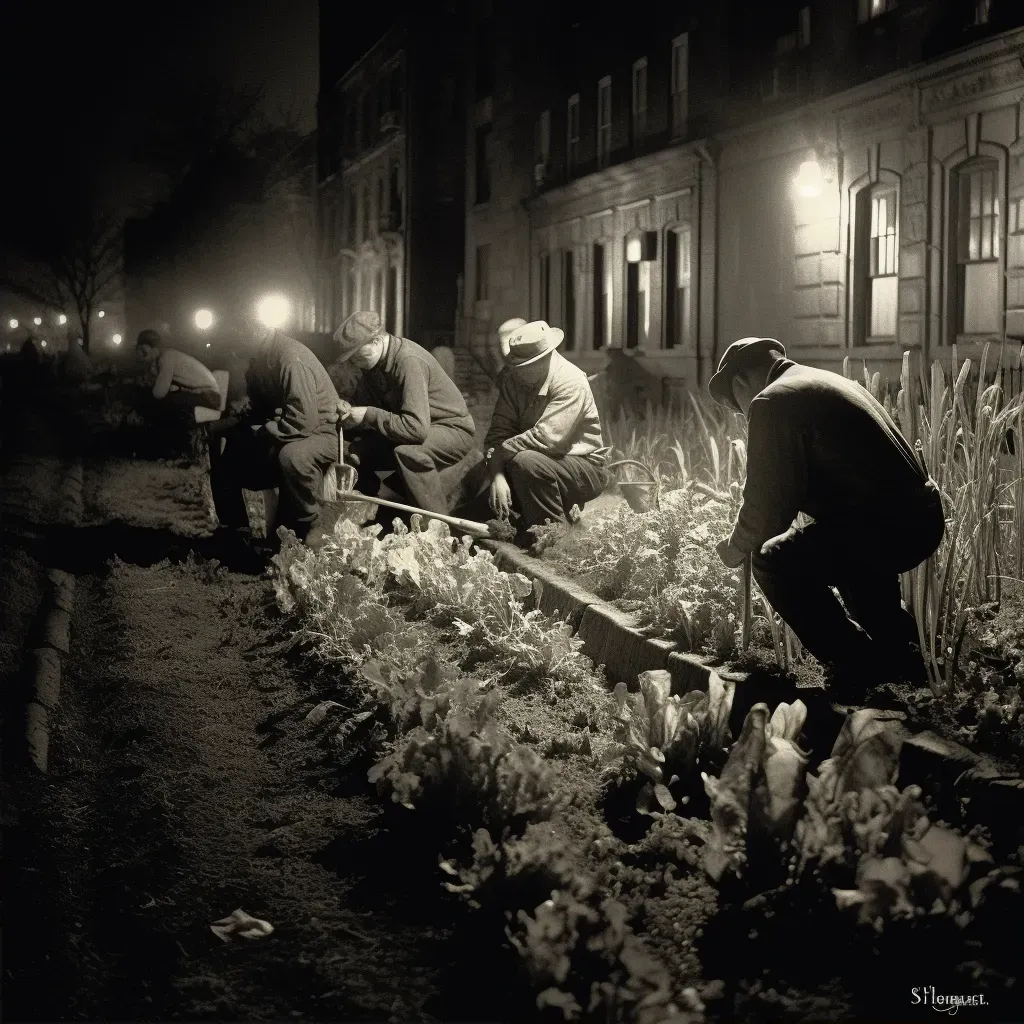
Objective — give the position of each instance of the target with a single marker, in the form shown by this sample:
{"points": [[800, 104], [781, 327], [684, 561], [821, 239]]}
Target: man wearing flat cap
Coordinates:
{"points": [[287, 439], [544, 449], [818, 443], [413, 420]]}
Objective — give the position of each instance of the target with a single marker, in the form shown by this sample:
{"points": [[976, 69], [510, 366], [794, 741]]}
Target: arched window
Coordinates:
{"points": [[876, 261], [975, 265]]}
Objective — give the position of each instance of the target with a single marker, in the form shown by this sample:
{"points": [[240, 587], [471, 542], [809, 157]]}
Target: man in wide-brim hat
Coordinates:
{"points": [[544, 449], [819, 444], [410, 419]]}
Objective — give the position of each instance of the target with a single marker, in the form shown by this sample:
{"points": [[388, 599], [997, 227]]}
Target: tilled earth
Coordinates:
{"points": [[183, 785]]}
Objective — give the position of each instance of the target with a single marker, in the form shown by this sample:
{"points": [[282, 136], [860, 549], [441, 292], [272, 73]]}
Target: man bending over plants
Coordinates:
{"points": [[414, 421], [544, 449], [820, 444], [181, 379], [287, 438]]}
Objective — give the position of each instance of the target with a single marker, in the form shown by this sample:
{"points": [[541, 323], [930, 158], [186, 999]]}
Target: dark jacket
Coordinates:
{"points": [[407, 392], [286, 375], [818, 443]]}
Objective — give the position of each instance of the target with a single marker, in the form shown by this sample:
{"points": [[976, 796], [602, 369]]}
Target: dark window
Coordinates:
{"points": [[545, 287], [395, 86], [677, 287], [568, 324], [483, 163], [483, 81], [483, 272], [600, 298]]}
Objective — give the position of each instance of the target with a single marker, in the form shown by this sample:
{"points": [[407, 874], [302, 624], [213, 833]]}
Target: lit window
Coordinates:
{"points": [[977, 271], [601, 298], [868, 9], [680, 83], [677, 291], [572, 148], [640, 99], [883, 263], [604, 120], [483, 272], [638, 279]]}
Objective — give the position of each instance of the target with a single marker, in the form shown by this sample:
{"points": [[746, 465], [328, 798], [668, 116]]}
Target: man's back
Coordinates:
{"points": [[275, 372], [853, 452], [186, 371]]}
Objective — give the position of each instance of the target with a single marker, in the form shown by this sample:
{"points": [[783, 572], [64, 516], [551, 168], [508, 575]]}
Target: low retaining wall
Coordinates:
{"points": [[987, 791]]}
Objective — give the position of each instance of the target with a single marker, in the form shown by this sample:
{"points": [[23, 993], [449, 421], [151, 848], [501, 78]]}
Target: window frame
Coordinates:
{"points": [[604, 128], [987, 158], [670, 288], [638, 100], [482, 272], [679, 91], [572, 134]]}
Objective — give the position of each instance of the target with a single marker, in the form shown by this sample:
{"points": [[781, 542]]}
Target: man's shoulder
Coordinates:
{"points": [[567, 372]]}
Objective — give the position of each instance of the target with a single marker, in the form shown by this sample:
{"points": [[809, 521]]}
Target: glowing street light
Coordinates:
{"points": [[37, 320], [101, 314], [43, 343], [62, 319], [13, 324], [809, 182], [203, 319], [116, 339], [273, 311]]}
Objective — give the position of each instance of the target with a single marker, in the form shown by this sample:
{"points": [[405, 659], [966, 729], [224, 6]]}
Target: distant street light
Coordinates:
{"points": [[13, 324], [116, 339], [62, 319], [37, 320], [273, 311], [203, 319], [809, 182], [43, 343], [101, 314], [207, 344]]}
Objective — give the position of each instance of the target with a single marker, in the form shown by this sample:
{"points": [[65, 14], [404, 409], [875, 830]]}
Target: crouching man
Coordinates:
{"points": [[544, 449], [820, 444], [412, 420], [181, 379], [287, 439]]}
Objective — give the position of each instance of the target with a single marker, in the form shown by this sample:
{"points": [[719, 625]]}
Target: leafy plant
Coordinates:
{"points": [[664, 737]]}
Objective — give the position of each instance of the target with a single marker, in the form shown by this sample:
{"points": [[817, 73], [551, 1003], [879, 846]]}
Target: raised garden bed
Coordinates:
{"points": [[509, 756]]}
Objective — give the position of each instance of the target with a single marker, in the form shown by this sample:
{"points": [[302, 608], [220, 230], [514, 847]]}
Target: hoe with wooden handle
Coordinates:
{"points": [[465, 525]]}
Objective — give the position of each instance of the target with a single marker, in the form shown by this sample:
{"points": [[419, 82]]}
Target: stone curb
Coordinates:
{"points": [[53, 631], [611, 638]]}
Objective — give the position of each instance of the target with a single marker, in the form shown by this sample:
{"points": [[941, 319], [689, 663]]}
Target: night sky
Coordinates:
{"points": [[99, 95]]}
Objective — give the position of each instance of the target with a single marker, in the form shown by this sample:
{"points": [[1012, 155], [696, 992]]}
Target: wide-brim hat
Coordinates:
{"points": [[736, 358], [506, 330], [531, 342], [362, 326]]}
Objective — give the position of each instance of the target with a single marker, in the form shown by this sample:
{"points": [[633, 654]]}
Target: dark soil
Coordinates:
{"points": [[184, 784]]}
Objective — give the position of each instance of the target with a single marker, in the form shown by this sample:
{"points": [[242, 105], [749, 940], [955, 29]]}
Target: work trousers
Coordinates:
{"points": [[204, 398], [255, 463], [412, 469], [862, 557]]}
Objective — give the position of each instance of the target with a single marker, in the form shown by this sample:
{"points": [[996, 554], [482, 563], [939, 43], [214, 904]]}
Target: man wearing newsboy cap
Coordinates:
{"points": [[818, 443], [413, 419], [544, 449]]}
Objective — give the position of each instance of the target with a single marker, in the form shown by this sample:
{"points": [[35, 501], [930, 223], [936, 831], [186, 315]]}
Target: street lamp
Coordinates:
{"points": [[203, 319], [101, 314], [116, 339], [273, 310], [62, 319], [13, 324], [809, 182], [37, 320]]}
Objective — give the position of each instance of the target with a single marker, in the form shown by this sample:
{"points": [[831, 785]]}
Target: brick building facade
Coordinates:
{"points": [[390, 179]]}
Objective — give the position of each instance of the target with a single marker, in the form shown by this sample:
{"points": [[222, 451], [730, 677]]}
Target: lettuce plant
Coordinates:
{"points": [[663, 736]]}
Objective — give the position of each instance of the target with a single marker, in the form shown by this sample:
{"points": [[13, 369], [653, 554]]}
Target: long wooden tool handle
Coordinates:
{"points": [[468, 525], [341, 443]]}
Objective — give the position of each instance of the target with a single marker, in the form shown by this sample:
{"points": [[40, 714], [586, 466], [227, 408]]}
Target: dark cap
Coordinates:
{"points": [[739, 356]]}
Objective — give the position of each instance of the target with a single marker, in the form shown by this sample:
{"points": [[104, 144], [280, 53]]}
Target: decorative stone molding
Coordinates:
{"points": [[887, 112], [972, 86]]}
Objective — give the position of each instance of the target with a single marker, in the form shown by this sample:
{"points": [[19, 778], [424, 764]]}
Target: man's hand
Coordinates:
{"points": [[732, 558], [355, 417], [501, 496]]}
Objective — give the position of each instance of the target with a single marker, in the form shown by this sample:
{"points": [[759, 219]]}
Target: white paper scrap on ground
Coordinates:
{"points": [[241, 925]]}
